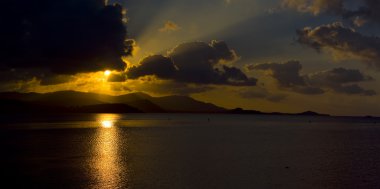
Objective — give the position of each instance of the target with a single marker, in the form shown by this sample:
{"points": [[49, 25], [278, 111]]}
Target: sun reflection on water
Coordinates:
{"points": [[108, 120], [107, 124], [106, 163]]}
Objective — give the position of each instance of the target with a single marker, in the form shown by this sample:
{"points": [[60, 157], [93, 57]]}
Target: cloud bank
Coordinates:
{"points": [[358, 11], [194, 62], [338, 80], [342, 42]]}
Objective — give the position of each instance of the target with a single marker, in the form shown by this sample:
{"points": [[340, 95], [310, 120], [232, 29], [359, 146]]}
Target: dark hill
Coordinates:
{"points": [[106, 108], [139, 101]]}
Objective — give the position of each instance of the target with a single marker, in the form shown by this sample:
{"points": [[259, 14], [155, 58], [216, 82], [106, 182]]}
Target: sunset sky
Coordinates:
{"points": [[267, 55]]}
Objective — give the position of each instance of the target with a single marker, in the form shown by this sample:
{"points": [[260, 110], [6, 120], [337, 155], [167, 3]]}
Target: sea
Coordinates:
{"points": [[188, 151]]}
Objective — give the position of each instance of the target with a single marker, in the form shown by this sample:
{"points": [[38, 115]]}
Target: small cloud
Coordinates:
{"points": [[169, 26], [359, 21]]}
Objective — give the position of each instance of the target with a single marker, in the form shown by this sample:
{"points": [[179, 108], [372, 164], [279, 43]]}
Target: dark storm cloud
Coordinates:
{"points": [[354, 89], [342, 42], [200, 55], [287, 74], [339, 75], [235, 76], [339, 80], [194, 62], [157, 65], [359, 11], [65, 37]]}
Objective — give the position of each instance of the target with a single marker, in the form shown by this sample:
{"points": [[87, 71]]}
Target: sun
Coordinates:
{"points": [[107, 73]]}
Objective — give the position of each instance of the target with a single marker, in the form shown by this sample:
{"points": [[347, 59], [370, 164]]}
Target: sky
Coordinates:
{"points": [[268, 55]]}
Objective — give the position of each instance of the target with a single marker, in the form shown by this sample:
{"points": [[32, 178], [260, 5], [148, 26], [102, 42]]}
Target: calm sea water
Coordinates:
{"points": [[188, 151]]}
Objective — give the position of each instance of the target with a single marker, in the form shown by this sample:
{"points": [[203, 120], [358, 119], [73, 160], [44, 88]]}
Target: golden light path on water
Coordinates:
{"points": [[107, 171]]}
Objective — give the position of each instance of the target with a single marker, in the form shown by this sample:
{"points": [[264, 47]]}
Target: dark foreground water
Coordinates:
{"points": [[188, 151]]}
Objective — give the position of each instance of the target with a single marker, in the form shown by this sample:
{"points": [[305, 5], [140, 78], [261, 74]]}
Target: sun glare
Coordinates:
{"points": [[108, 120], [107, 73], [107, 124]]}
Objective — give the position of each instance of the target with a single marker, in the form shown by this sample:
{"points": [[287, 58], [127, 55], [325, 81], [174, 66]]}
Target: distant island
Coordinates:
{"points": [[242, 111], [80, 102]]}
